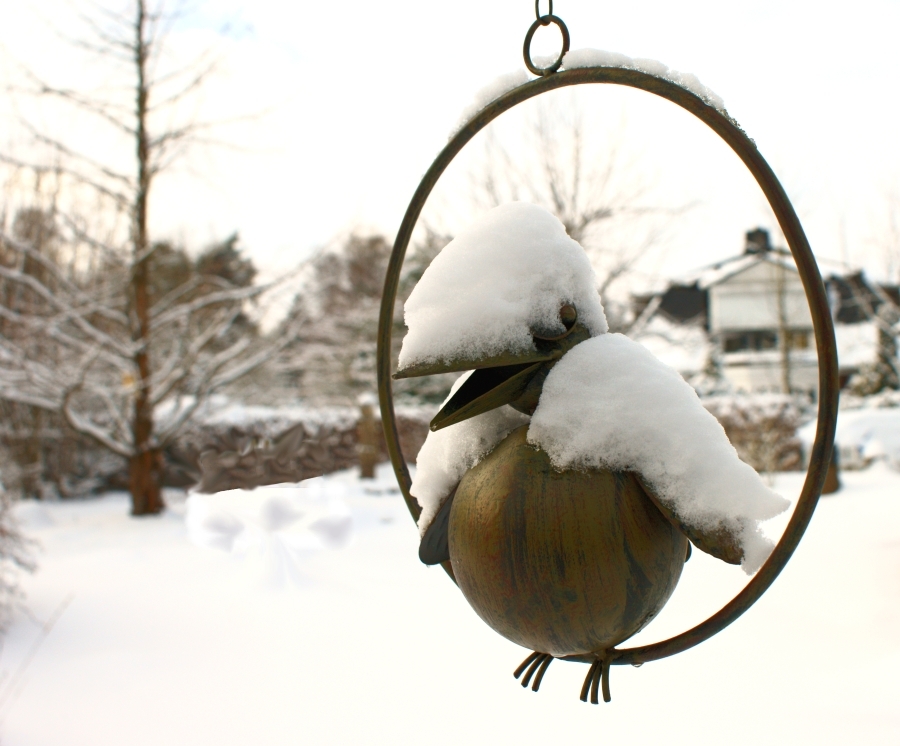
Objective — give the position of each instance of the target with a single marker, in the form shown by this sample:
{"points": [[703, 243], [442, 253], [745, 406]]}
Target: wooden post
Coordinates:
{"points": [[367, 431]]}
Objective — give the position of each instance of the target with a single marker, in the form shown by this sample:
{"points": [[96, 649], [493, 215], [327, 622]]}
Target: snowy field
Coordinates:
{"points": [[304, 616]]}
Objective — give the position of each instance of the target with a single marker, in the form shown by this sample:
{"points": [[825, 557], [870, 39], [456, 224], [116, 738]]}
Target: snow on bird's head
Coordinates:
{"points": [[501, 278]]}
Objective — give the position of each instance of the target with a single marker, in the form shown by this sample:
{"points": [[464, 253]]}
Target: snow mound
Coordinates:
{"points": [[862, 436], [610, 404], [31, 515], [502, 277], [599, 58], [449, 453], [287, 522]]}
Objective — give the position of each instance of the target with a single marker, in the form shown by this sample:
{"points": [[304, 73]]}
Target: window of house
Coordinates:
{"points": [[762, 339], [798, 340]]}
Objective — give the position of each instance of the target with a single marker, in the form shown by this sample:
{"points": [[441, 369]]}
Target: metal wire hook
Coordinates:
{"points": [[545, 20]]}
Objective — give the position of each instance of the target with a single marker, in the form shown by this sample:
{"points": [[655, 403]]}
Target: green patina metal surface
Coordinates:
{"points": [[566, 563]]}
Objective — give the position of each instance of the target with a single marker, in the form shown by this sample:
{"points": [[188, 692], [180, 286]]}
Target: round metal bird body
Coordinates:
{"points": [[562, 562]]}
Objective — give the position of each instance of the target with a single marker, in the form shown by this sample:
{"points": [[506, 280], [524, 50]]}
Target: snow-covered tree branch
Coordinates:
{"points": [[66, 345], [120, 336], [598, 192]]}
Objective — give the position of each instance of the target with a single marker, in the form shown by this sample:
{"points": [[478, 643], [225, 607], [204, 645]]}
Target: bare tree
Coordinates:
{"points": [[881, 308], [880, 303], [118, 352], [887, 240], [888, 312], [553, 165], [74, 354], [784, 333], [16, 555], [24, 425], [333, 323]]}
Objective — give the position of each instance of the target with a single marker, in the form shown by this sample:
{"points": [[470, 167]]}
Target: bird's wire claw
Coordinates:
{"points": [[548, 659], [595, 683], [587, 680], [535, 663], [598, 673], [607, 697], [525, 663], [526, 679]]}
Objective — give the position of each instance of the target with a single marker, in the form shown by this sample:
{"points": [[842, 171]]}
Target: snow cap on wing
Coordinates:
{"points": [[610, 404]]}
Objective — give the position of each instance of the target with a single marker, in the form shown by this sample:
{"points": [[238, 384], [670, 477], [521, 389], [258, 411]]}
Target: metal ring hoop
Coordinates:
{"points": [[526, 49], [727, 129]]}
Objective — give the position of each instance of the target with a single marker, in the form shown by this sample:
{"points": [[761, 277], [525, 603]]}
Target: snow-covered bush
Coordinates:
{"points": [[15, 556], [871, 379], [868, 430], [42, 458], [326, 442], [73, 466], [884, 399], [762, 427]]}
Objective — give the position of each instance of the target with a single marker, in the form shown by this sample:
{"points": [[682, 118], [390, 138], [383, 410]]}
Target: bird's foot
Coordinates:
{"points": [[597, 674], [535, 663], [597, 679]]}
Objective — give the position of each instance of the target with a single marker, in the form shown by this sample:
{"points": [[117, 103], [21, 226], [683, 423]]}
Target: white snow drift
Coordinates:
{"points": [[284, 522]]}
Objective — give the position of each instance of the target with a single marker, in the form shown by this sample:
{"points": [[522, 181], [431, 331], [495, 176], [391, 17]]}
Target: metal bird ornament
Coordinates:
{"points": [[568, 474]]}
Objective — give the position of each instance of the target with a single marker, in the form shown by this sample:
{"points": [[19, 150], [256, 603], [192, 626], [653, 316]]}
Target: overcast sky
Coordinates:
{"points": [[356, 99]]}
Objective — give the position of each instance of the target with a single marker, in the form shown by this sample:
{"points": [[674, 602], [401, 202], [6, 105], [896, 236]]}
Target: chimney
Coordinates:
{"points": [[757, 241]]}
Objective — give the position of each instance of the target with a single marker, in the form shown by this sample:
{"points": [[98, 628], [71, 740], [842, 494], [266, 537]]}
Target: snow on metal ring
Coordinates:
{"points": [[729, 131]]}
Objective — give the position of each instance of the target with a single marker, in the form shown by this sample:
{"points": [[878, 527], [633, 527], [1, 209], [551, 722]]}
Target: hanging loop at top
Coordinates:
{"points": [[545, 21]]}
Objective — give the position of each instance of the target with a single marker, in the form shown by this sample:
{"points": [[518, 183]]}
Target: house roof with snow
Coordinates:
{"points": [[743, 306], [853, 298]]}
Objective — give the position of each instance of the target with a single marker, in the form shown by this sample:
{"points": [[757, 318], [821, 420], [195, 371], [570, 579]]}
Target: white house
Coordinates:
{"points": [[756, 319]]}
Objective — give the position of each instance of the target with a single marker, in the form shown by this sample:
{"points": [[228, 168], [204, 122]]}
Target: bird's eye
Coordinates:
{"points": [[567, 316]]}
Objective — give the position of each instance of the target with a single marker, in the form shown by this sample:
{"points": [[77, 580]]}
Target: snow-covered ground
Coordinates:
{"points": [[274, 638], [863, 435]]}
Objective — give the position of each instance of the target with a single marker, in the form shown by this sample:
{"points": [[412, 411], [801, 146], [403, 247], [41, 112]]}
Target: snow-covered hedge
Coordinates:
{"points": [[868, 430], [329, 441], [762, 427], [42, 457], [60, 463], [16, 555]]}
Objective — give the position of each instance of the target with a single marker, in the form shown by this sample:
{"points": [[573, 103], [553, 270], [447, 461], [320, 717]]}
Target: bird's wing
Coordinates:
{"points": [[721, 542], [435, 546], [610, 404]]}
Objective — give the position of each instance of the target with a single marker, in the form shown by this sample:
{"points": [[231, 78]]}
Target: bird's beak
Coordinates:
{"points": [[508, 378]]}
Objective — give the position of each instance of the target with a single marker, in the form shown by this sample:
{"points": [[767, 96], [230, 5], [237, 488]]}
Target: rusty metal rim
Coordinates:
{"points": [[727, 129]]}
